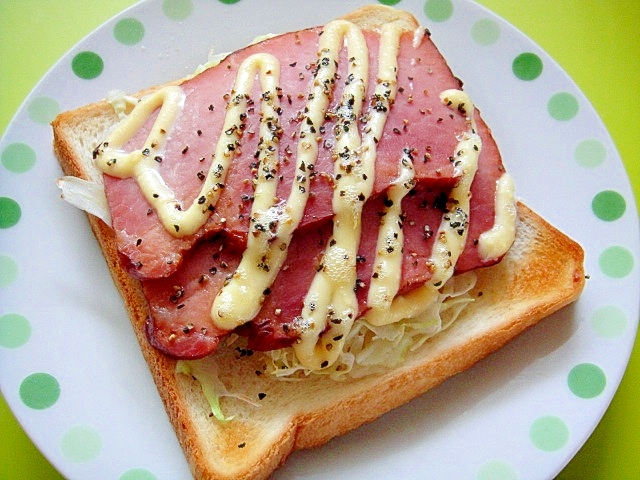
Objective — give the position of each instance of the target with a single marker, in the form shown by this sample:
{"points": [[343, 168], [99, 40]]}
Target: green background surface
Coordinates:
{"points": [[596, 42]]}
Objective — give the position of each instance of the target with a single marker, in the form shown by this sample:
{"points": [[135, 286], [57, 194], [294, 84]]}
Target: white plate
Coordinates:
{"points": [[69, 365]]}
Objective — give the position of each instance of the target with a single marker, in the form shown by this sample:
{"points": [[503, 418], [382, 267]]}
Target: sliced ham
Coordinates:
{"points": [[182, 276], [422, 212], [180, 323], [417, 120]]}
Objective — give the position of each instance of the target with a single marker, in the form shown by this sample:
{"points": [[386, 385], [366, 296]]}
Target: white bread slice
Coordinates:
{"points": [[542, 273]]}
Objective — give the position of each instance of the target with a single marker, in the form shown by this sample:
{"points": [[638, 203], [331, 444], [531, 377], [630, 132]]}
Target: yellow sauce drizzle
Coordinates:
{"points": [[330, 305], [142, 165], [387, 266], [495, 242], [452, 232], [271, 225]]}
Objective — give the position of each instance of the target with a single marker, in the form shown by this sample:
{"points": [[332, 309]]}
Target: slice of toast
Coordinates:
{"points": [[542, 273]]}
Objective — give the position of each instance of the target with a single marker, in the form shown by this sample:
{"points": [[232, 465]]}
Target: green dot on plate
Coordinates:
{"points": [[15, 330], [549, 433], [527, 66], [42, 110], [563, 106], [177, 9], [609, 321], [137, 474], [586, 380], [18, 157], [389, 2], [590, 153], [10, 212], [616, 262], [39, 391], [128, 31], [485, 32], [608, 205], [231, 2], [87, 65], [497, 470], [438, 10], [8, 271], [81, 444]]}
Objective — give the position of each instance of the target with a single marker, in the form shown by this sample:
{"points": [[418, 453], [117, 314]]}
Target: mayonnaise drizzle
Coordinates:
{"points": [[141, 164], [452, 232], [110, 157], [271, 225], [495, 242], [330, 305], [387, 266]]}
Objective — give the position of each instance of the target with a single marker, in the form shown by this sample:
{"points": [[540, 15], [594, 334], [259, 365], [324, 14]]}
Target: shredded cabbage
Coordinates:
{"points": [[212, 387], [215, 58], [121, 103], [86, 195], [368, 349], [371, 349], [89, 195]]}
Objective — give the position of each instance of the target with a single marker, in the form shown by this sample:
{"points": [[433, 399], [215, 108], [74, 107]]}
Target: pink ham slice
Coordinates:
{"points": [[179, 321], [181, 277], [417, 120], [422, 210], [180, 324]]}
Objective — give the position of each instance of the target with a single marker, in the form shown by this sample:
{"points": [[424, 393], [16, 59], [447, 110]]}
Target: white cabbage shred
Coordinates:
{"points": [[121, 103], [368, 350], [373, 349], [212, 387], [85, 195]]}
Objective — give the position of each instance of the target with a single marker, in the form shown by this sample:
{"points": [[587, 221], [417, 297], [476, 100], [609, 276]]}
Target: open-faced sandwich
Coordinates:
{"points": [[308, 233]]}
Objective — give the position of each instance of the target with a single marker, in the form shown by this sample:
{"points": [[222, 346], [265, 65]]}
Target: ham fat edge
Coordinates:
{"points": [[182, 275]]}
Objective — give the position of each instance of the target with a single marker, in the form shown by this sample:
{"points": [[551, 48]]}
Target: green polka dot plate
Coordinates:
{"points": [[70, 367]]}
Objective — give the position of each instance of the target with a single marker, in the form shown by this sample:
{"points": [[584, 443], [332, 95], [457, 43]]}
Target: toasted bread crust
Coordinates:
{"points": [[542, 273]]}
